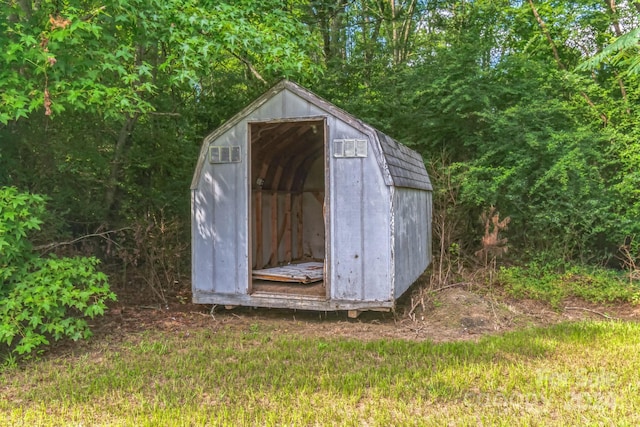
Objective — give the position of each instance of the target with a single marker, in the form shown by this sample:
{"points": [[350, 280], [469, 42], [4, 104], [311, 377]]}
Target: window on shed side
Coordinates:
{"points": [[348, 148]]}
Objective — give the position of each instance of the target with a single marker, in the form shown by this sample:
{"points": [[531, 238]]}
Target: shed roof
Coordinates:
{"points": [[405, 165], [402, 166]]}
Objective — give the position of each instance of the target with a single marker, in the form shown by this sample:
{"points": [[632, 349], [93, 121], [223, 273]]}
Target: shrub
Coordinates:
{"points": [[42, 298]]}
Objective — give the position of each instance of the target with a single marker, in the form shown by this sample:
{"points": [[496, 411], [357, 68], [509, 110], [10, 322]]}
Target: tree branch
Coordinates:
{"points": [[105, 235], [556, 56], [250, 67], [157, 113], [546, 33], [606, 316]]}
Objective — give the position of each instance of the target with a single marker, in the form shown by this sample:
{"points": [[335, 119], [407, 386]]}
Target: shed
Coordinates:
{"points": [[297, 204]]}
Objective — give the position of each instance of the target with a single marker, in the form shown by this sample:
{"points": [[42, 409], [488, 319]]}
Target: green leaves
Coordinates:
{"points": [[41, 298], [623, 51], [178, 67], [18, 216], [89, 56], [553, 147]]}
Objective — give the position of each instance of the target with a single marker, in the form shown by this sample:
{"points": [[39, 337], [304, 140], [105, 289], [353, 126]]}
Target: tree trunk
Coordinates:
{"points": [[116, 164]]}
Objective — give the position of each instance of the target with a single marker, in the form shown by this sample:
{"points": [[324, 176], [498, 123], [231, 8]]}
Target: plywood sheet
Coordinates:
{"points": [[306, 272]]}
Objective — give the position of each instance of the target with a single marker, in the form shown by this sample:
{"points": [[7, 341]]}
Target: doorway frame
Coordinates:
{"points": [[322, 122]]}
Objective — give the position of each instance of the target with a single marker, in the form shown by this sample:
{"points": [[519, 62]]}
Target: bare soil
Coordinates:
{"points": [[455, 313]]}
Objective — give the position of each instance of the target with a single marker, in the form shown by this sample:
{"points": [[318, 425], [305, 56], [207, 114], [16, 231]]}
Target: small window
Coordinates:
{"points": [[220, 154], [349, 148]]}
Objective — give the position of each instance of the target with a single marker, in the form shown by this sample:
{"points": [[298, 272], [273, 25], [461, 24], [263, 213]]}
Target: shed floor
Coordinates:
{"points": [[305, 272], [313, 289]]}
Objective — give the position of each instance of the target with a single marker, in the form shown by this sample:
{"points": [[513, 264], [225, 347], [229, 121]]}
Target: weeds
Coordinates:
{"points": [[629, 256], [446, 223], [493, 246], [595, 285], [155, 247]]}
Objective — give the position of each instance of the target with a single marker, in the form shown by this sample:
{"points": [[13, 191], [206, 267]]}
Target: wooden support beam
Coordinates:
{"points": [[282, 229], [300, 231], [274, 228], [319, 195], [287, 227], [258, 245]]}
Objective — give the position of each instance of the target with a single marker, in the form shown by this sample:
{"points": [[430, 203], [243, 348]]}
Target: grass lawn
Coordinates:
{"points": [[570, 374]]}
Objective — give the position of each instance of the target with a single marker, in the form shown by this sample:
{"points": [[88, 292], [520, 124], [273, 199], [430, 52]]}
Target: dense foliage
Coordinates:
{"points": [[505, 97], [529, 106], [41, 298]]}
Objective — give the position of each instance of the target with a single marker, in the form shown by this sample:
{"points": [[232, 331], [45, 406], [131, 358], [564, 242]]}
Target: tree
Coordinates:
{"points": [[113, 69]]}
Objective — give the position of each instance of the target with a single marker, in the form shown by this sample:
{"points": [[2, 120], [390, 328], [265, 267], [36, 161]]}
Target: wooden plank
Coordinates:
{"points": [[274, 228], [258, 205], [315, 289], [273, 259], [281, 233], [319, 195], [287, 228], [299, 243], [289, 300], [307, 272]]}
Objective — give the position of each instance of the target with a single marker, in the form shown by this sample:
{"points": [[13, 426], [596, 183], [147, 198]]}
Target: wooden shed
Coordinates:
{"points": [[297, 204]]}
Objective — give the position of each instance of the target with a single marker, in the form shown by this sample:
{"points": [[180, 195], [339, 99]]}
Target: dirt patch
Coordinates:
{"points": [[453, 314]]}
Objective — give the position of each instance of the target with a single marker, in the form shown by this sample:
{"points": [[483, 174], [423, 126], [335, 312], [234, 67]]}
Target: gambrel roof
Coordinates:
{"points": [[401, 166], [405, 165]]}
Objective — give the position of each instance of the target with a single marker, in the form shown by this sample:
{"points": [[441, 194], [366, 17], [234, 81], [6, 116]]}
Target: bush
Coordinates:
{"points": [[42, 298]]}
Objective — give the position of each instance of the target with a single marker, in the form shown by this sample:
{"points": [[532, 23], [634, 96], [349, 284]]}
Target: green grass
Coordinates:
{"points": [[553, 285], [569, 374]]}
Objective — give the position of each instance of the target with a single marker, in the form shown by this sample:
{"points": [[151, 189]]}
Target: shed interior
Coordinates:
{"points": [[288, 176]]}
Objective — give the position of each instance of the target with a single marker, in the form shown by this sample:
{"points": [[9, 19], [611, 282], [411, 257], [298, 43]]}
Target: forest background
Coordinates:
{"points": [[527, 106]]}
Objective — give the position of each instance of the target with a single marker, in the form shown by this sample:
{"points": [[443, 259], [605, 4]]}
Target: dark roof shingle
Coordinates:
{"points": [[405, 165]]}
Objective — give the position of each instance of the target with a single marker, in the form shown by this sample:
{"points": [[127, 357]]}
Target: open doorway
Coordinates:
{"points": [[287, 223]]}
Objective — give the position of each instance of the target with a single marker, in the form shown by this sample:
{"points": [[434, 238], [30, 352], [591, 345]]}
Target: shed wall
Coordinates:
{"points": [[360, 231], [220, 203], [379, 237], [220, 206], [412, 236]]}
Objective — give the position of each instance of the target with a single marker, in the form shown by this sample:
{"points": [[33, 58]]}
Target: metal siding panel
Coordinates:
{"points": [[411, 237], [285, 105], [360, 234], [272, 109], [376, 234], [201, 240], [429, 207], [241, 212], [225, 243], [295, 106], [347, 240]]}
